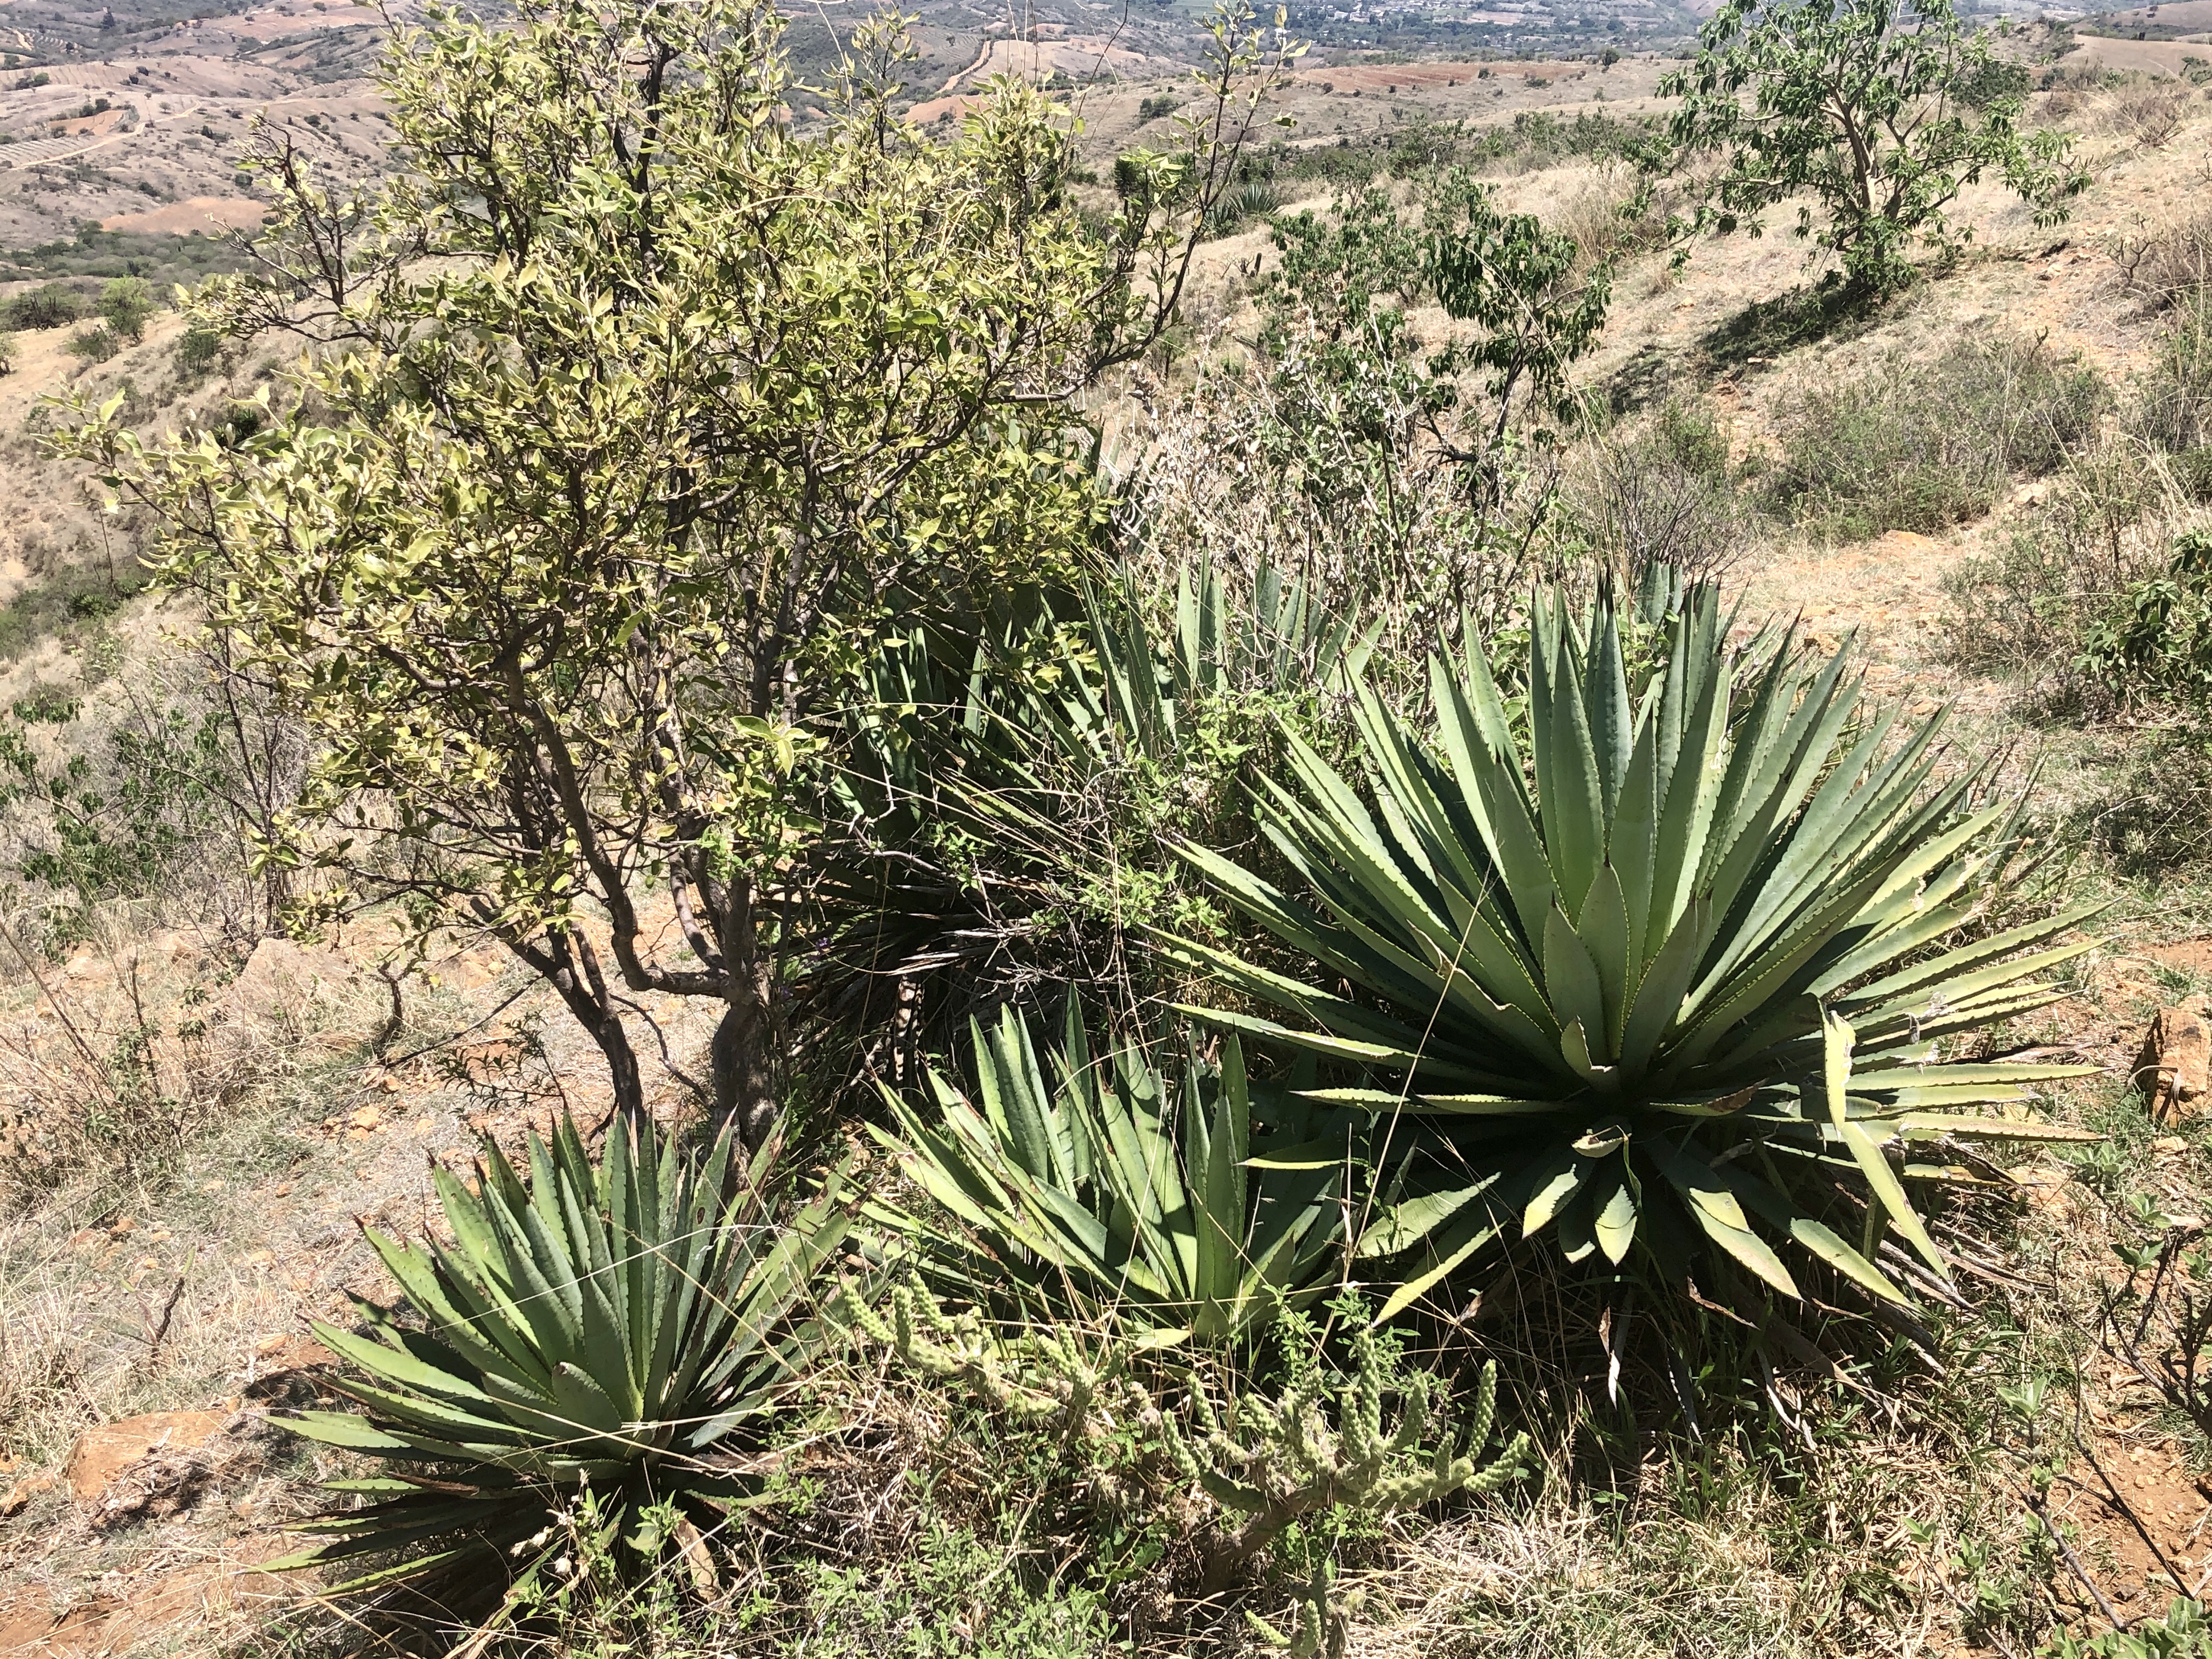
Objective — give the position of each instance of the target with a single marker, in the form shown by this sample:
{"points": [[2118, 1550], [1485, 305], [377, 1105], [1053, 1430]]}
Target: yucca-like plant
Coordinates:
{"points": [[1111, 1188], [1648, 964], [621, 1326]]}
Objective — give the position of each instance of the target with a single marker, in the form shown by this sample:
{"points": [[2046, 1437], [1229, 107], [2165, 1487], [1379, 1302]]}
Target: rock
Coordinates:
{"points": [[103, 1456], [12, 1500], [296, 990], [288, 1370], [2171, 1069]]}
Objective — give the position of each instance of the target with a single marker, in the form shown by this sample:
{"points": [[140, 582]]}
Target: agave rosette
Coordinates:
{"points": [[1606, 949], [1112, 1190], [615, 1326]]}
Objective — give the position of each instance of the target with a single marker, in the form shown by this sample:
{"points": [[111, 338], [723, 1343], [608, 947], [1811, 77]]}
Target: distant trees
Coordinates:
{"points": [[1879, 113], [126, 305], [635, 422]]}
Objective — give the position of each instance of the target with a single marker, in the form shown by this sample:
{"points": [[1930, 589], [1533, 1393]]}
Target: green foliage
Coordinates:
{"points": [[629, 433], [106, 822], [1659, 492], [1665, 994], [1416, 457], [49, 306], [95, 345], [1986, 80], [2184, 1632], [899, 1610], [1906, 445], [2175, 411], [1879, 116], [197, 351], [163, 258], [1273, 1462], [127, 305], [1152, 109], [621, 1328], [2154, 641], [1249, 1460], [1017, 792], [1113, 1189], [1524, 287]]}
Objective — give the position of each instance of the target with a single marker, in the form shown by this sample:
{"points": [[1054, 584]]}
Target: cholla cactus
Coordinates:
{"points": [[1035, 1376], [1324, 1626], [1278, 1460]]}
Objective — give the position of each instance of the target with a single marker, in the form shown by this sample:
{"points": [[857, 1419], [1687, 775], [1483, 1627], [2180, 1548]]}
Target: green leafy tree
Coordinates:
{"points": [[1878, 113], [1363, 408], [636, 420], [1537, 306], [127, 305]]}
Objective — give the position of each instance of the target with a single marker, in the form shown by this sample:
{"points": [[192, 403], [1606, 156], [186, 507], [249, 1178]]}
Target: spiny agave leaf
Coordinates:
{"points": [[1713, 1205], [1560, 1174], [1194, 1229], [1914, 1125], [1489, 1105], [1613, 1209], [1812, 1234], [1837, 1036]]}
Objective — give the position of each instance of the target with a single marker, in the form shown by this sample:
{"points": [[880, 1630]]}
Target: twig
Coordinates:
{"points": [[157, 1332], [2066, 1550]]}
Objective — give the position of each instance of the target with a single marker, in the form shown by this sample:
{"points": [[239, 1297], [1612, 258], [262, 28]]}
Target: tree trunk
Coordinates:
{"points": [[622, 1071], [745, 1063]]}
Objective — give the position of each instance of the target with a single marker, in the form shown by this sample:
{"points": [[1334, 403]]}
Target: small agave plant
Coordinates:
{"points": [[619, 1328], [1646, 964], [1111, 1189]]}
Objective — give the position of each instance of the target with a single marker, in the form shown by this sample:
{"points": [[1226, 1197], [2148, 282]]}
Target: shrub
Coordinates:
{"points": [[127, 304], [1802, 101], [49, 306], [2155, 818], [2154, 640], [1905, 446], [2149, 110], [1161, 104], [2109, 521], [2184, 1632], [621, 1326], [1017, 792], [94, 345], [933, 378], [2170, 266], [2174, 410], [1655, 1005], [1246, 1460], [197, 351], [1660, 492]]}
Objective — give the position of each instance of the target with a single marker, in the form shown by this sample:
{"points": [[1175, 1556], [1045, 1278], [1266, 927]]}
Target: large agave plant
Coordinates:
{"points": [[1110, 1188], [1612, 951], [620, 1325]]}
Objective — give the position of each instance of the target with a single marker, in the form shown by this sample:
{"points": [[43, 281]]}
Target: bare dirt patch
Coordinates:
{"points": [[2145, 57], [194, 213]]}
